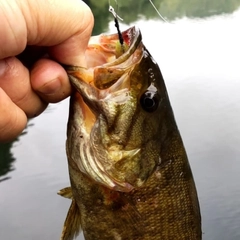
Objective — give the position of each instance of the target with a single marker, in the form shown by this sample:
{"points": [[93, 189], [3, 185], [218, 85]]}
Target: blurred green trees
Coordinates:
{"points": [[131, 10]]}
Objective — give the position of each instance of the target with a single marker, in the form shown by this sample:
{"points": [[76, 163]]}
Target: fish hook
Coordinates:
{"points": [[116, 17]]}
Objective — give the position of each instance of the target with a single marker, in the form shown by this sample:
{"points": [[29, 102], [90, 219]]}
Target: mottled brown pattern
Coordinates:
{"points": [[163, 204], [165, 208]]}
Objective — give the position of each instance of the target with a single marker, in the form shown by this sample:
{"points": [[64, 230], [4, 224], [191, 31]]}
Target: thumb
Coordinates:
{"points": [[64, 26]]}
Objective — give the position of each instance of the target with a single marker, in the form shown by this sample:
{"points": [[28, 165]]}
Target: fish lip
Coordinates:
{"points": [[123, 63], [135, 37]]}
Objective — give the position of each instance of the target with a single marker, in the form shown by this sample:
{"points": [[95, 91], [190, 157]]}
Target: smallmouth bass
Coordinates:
{"points": [[129, 172]]}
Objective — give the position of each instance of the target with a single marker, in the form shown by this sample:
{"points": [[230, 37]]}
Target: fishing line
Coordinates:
{"points": [[116, 17], [158, 12], [111, 10]]}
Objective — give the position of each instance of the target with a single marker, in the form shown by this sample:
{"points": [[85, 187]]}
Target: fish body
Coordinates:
{"points": [[129, 172]]}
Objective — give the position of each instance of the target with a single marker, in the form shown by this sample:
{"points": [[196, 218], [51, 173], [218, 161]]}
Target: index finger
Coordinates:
{"points": [[65, 26]]}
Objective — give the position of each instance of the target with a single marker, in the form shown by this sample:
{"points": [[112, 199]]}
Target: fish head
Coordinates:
{"points": [[117, 111]]}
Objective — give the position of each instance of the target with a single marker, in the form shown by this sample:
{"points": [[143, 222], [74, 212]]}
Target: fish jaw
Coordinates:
{"points": [[104, 108]]}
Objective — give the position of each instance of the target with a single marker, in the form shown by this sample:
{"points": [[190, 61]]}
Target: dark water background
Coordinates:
{"points": [[198, 52]]}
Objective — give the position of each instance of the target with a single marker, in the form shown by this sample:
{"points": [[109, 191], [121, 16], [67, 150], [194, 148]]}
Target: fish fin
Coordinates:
{"points": [[72, 224], [66, 192]]}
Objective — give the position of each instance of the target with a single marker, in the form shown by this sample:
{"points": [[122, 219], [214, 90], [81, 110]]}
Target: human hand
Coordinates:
{"points": [[29, 81]]}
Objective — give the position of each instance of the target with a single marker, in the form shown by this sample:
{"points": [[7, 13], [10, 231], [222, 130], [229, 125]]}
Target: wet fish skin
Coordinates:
{"points": [[154, 198]]}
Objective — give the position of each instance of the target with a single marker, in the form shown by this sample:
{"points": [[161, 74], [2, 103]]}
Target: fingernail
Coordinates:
{"points": [[2, 67], [51, 87]]}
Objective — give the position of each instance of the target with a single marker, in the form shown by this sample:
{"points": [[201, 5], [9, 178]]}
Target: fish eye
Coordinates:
{"points": [[149, 101]]}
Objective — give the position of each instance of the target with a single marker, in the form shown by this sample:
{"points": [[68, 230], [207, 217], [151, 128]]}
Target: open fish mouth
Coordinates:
{"points": [[107, 49], [106, 97], [107, 59]]}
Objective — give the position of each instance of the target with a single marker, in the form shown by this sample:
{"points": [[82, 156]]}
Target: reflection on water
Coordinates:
{"points": [[6, 160], [199, 61], [6, 157]]}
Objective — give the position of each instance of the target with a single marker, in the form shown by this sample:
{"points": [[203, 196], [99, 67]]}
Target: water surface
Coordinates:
{"points": [[199, 59]]}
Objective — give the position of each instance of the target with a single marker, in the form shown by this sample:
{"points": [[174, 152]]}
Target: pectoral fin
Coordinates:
{"points": [[66, 192], [72, 224]]}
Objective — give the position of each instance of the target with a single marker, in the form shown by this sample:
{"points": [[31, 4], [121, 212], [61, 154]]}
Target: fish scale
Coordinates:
{"points": [[147, 191]]}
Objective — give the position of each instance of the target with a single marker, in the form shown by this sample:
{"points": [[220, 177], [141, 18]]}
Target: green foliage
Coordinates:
{"points": [[173, 9], [132, 10], [101, 15]]}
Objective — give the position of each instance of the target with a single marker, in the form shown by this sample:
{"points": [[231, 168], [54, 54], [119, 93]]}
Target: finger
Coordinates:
{"points": [[50, 81], [12, 119], [72, 50], [65, 24], [14, 29], [15, 81]]}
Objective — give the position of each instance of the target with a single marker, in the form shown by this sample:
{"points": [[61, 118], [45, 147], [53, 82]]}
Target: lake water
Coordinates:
{"points": [[199, 59]]}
